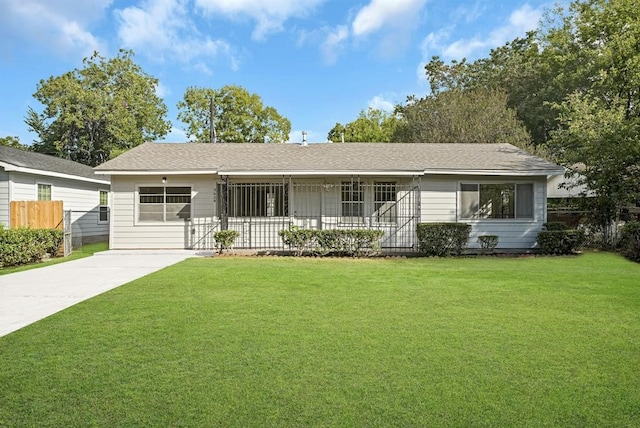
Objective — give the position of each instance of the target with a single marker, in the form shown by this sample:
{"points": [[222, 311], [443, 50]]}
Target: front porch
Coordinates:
{"points": [[259, 211]]}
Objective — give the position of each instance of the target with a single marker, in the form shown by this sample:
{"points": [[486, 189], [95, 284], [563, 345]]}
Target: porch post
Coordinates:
{"points": [[224, 204]]}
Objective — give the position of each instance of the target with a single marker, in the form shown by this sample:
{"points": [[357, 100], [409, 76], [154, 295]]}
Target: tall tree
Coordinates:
{"points": [[600, 145], [14, 142], [461, 116], [238, 116], [372, 125], [106, 107]]}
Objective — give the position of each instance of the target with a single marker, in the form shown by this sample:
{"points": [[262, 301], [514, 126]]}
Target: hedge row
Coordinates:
{"points": [[337, 242], [22, 246], [629, 245], [556, 238], [442, 239]]}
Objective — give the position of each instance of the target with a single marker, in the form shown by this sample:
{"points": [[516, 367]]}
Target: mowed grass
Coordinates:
{"points": [[255, 342]]}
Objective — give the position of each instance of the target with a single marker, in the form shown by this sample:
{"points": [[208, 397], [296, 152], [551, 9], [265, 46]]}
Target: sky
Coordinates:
{"points": [[317, 62]]}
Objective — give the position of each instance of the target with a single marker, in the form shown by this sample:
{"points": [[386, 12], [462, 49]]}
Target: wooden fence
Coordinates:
{"points": [[37, 214]]}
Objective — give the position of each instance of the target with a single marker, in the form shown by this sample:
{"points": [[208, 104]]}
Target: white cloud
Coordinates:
{"points": [[520, 21], [60, 26], [269, 15], [162, 28], [333, 43], [379, 103], [397, 14]]}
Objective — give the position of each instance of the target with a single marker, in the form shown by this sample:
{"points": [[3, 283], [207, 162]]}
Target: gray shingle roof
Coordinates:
{"points": [[322, 158], [47, 163]]}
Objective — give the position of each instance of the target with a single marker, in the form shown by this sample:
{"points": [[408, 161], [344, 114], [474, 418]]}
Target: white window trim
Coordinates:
{"points": [[43, 183], [494, 220], [108, 206], [136, 202]]}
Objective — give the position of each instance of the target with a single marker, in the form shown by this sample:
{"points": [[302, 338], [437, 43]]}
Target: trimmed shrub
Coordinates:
{"points": [[556, 239], [488, 243], [629, 245], [338, 242], [225, 239], [23, 246], [442, 239], [301, 240]]}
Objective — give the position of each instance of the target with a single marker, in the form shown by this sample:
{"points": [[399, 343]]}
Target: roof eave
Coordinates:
{"points": [[15, 168], [496, 172], [154, 172]]}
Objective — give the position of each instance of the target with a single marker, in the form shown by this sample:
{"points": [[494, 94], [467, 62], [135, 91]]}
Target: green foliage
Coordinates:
{"points": [[14, 142], [225, 239], [600, 138], [557, 239], [108, 105], [488, 243], [371, 126], [239, 117], [461, 116], [442, 239], [23, 246], [629, 245], [299, 239], [335, 242]]}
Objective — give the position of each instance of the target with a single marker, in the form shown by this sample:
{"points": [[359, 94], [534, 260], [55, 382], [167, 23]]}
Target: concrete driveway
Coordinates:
{"points": [[26, 297]]}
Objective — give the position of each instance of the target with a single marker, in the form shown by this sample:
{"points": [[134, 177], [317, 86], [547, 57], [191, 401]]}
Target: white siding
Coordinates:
{"points": [[128, 233], [439, 202], [4, 198], [82, 198]]}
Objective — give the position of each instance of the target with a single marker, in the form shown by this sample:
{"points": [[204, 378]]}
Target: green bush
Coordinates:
{"points": [[488, 243], [442, 239], [225, 239], [338, 242], [629, 245], [23, 246], [301, 240], [556, 238]]}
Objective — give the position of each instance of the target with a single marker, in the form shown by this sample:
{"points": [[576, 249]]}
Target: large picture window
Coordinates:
{"points": [[352, 199], [496, 201], [384, 202], [258, 200], [164, 204]]}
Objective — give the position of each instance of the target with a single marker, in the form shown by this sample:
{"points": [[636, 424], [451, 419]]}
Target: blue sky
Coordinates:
{"points": [[317, 62]]}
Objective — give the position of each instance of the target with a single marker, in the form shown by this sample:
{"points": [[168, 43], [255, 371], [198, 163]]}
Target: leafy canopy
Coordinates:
{"points": [[93, 113], [461, 116], [373, 125], [238, 116]]}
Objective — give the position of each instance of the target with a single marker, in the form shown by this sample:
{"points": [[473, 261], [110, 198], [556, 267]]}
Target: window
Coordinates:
{"points": [[496, 201], [258, 200], [164, 204], [352, 199], [384, 202], [104, 207], [44, 192]]}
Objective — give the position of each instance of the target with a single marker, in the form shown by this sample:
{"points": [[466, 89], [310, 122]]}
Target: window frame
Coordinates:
{"points": [[49, 185], [379, 189], [262, 197], [355, 191], [103, 208], [516, 209], [164, 220]]}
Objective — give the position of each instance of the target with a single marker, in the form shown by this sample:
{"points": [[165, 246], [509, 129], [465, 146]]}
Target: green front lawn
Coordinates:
{"points": [[336, 342]]}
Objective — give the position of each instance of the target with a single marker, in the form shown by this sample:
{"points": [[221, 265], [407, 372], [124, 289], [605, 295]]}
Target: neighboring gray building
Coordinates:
{"points": [[176, 195], [29, 176]]}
